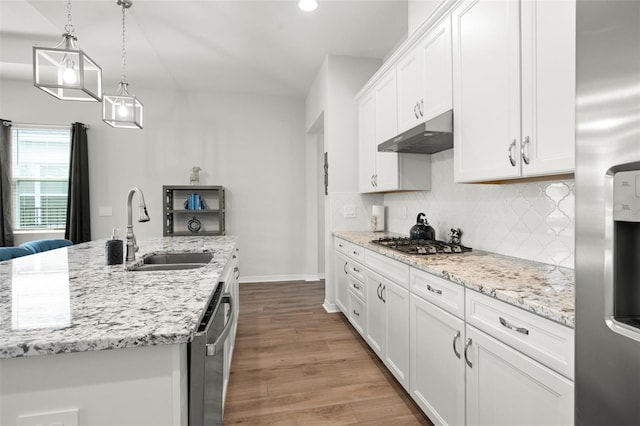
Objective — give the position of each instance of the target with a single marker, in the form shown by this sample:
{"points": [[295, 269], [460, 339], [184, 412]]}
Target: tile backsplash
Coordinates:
{"points": [[529, 220]]}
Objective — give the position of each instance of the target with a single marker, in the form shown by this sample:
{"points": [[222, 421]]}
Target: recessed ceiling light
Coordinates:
{"points": [[308, 5]]}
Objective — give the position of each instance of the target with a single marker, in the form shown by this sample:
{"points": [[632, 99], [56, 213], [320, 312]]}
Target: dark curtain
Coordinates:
{"points": [[78, 227], [6, 210]]}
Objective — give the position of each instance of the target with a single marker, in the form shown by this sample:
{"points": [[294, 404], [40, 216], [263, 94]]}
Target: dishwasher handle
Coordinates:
{"points": [[215, 347]]}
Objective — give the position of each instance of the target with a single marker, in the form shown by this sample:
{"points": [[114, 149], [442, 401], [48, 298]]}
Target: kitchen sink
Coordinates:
{"points": [[173, 261]]}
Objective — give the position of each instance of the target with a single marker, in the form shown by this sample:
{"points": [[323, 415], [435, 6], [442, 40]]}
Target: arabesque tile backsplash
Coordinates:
{"points": [[529, 220]]}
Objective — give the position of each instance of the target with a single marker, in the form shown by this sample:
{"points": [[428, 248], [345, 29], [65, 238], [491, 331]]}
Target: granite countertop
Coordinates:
{"points": [[545, 290], [68, 300]]}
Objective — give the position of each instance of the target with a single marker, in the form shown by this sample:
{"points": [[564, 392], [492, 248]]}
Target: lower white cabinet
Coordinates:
{"points": [[505, 387], [437, 364], [341, 284], [387, 324], [357, 311]]}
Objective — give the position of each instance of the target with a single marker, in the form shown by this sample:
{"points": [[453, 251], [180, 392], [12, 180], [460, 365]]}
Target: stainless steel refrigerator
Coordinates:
{"points": [[607, 177]]}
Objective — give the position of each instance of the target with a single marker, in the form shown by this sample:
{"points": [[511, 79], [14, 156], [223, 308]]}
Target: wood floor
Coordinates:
{"points": [[296, 364]]}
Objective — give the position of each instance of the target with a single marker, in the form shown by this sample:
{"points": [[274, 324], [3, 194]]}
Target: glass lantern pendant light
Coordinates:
{"points": [[65, 71], [123, 110]]}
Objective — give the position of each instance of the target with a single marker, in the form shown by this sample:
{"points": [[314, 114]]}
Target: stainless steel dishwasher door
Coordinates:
{"points": [[206, 361]]}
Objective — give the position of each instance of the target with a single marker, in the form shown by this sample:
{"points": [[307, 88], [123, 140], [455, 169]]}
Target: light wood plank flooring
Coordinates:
{"points": [[296, 364]]}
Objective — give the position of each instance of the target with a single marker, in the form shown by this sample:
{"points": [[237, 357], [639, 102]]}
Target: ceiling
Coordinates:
{"points": [[263, 46]]}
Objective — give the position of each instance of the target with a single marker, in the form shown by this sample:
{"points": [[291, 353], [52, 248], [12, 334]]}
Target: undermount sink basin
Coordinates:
{"points": [[172, 258], [173, 261]]}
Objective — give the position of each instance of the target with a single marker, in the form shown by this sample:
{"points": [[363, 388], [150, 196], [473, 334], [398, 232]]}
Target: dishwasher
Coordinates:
{"points": [[206, 360]]}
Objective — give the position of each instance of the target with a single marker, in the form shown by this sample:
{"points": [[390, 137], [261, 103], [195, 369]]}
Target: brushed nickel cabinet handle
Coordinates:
{"points": [[506, 324], [455, 339], [356, 313], [356, 270], [345, 267], [524, 156], [511, 159], [466, 349], [416, 108], [421, 108], [433, 290]]}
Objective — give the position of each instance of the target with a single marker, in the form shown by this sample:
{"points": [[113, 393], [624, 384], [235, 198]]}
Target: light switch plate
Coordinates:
{"points": [[349, 211], [54, 418]]}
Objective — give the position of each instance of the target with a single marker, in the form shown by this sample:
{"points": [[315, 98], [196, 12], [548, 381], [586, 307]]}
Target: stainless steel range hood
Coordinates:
{"points": [[432, 136]]}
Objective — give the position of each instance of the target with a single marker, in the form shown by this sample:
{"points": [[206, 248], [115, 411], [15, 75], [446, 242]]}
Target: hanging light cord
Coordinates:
{"points": [[124, 60], [69, 27]]}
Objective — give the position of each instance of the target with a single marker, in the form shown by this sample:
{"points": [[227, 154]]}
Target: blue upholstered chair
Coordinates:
{"points": [[8, 253], [39, 246]]}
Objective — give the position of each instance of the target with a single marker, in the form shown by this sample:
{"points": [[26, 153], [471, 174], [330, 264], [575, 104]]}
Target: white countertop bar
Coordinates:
{"points": [[69, 300]]}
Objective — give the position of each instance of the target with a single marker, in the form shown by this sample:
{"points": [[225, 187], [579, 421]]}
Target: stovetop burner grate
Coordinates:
{"points": [[421, 247]]}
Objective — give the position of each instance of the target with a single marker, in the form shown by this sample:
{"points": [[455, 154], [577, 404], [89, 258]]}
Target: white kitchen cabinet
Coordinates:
{"points": [[424, 78], [493, 55], [386, 177], [367, 147], [341, 281], [357, 306], [437, 368], [377, 122], [387, 319], [548, 87], [505, 387], [411, 81]]}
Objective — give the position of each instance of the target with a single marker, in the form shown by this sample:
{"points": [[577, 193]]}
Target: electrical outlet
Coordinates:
{"points": [[105, 211], [54, 418], [349, 211]]}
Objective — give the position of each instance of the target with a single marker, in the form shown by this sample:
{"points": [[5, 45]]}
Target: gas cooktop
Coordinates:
{"points": [[421, 247]]}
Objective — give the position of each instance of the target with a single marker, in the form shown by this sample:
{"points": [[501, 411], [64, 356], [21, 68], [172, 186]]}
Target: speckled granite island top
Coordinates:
{"points": [[545, 290], [68, 300]]}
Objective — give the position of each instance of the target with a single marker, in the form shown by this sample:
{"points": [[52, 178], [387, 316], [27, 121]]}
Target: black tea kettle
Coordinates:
{"points": [[421, 230]]}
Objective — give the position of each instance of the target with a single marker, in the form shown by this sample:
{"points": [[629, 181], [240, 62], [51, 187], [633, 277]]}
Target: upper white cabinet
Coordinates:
{"points": [[378, 122], [493, 57], [366, 141], [386, 126], [424, 78], [548, 86]]}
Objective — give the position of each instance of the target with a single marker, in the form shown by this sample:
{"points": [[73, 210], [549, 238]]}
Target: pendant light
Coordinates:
{"points": [[123, 110], [65, 71]]}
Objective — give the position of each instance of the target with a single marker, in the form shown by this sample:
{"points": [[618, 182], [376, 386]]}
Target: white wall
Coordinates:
{"points": [[253, 145], [331, 104]]}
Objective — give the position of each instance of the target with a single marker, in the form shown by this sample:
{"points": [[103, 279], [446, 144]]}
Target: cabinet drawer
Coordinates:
{"points": [[543, 340], [356, 253], [356, 287], [357, 313], [394, 270], [342, 246], [356, 270], [442, 293]]}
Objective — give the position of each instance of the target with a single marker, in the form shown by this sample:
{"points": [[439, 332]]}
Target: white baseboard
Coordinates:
{"points": [[331, 308], [275, 278]]}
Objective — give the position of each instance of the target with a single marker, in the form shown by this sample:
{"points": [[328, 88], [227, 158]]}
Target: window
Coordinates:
{"points": [[40, 181]]}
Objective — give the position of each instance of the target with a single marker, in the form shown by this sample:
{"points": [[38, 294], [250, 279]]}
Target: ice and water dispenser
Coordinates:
{"points": [[626, 248]]}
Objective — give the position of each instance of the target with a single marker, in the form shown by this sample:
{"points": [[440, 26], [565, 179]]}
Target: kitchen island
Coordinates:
{"points": [[102, 344]]}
